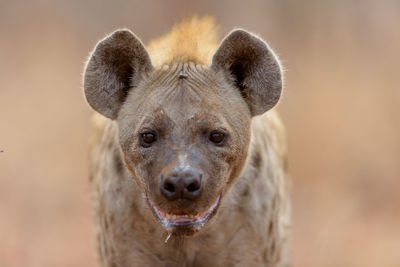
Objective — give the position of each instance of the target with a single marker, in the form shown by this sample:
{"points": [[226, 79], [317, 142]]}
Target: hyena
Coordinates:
{"points": [[189, 168]]}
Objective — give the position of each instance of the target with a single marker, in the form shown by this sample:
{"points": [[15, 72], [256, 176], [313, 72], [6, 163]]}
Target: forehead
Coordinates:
{"points": [[182, 91]]}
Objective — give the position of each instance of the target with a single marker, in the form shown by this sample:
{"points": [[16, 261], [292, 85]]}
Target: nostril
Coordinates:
{"points": [[194, 186], [169, 187]]}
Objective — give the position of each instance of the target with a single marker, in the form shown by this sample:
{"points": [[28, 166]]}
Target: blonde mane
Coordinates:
{"points": [[193, 39]]}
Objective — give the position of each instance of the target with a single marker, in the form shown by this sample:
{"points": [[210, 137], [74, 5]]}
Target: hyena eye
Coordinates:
{"points": [[148, 138], [217, 138]]}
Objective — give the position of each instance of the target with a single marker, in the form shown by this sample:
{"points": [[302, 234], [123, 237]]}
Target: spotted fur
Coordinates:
{"points": [[251, 226]]}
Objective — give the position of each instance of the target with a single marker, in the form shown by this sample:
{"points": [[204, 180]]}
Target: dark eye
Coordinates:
{"points": [[148, 138], [217, 138]]}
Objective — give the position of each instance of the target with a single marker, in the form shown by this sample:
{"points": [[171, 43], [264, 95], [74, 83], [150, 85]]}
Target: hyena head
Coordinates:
{"points": [[184, 126]]}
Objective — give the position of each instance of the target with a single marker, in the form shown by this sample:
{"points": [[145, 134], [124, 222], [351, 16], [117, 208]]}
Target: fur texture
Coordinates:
{"points": [[189, 89], [192, 40]]}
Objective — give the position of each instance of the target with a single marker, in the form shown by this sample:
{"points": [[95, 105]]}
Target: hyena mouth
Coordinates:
{"points": [[173, 221]]}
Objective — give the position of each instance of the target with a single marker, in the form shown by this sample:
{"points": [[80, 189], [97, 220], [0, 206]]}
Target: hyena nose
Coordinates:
{"points": [[185, 185]]}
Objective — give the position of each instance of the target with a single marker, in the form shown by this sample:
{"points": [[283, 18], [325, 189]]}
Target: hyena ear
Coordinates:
{"points": [[254, 68], [114, 67]]}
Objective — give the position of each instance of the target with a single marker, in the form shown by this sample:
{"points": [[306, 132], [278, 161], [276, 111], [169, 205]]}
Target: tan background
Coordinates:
{"points": [[341, 107]]}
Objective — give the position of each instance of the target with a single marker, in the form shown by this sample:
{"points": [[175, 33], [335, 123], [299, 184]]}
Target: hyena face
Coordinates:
{"points": [[184, 128], [185, 141]]}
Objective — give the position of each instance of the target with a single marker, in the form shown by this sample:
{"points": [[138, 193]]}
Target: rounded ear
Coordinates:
{"points": [[254, 68], [114, 67]]}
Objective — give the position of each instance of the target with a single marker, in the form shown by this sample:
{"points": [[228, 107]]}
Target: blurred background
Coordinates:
{"points": [[341, 107]]}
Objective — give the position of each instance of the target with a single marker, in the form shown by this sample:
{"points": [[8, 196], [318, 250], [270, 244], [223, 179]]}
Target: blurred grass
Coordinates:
{"points": [[341, 107]]}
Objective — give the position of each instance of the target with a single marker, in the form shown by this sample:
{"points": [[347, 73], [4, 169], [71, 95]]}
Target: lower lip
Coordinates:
{"points": [[197, 222]]}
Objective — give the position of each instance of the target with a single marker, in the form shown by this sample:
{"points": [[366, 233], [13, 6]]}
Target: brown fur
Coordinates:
{"points": [[182, 98], [191, 40]]}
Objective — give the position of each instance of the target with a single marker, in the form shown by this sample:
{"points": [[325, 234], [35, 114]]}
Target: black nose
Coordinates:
{"points": [[184, 185]]}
